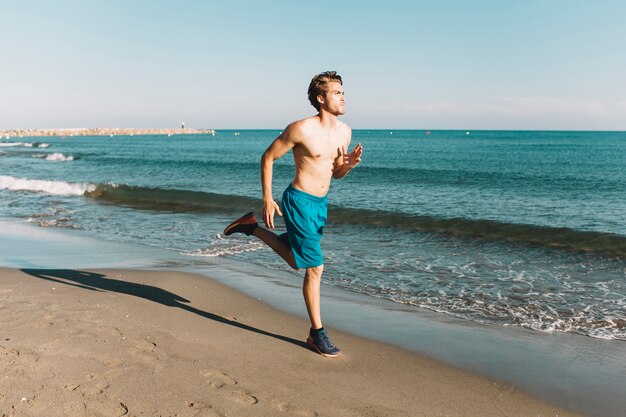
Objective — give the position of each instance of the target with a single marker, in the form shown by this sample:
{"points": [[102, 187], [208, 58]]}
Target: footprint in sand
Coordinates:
{"points": [[93, 398], [108, 408], [144, 345], [100, 402], [10, 357], [244, 398], [217, 379], [74, 408], [292, 411], [94, 386], [8, 352], [199, 409], [145, 350], [71, 387]]}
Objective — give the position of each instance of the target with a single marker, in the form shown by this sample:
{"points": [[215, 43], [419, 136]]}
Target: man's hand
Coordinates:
{"points": [[353, 158], [345, 162], [269, 208]]}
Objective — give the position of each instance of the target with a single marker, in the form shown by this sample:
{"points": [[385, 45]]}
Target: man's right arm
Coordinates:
{"points": [[281, 145]]}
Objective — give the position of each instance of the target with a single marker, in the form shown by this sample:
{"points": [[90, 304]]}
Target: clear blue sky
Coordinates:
{"points": [[534, 64]]}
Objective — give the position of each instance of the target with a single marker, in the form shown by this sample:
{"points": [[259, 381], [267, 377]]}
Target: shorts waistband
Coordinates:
{"points": [[293, 190]]}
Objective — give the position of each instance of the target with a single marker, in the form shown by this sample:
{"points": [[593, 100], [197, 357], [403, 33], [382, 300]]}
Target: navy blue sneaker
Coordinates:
{"points": [[318, 341], [245, 224]]}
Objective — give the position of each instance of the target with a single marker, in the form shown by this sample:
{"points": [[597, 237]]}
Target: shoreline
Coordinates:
{"points": [[107, 131], [129, 342], [576, 372]]}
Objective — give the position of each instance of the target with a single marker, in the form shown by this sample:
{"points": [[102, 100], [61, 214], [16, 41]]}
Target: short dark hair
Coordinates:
{"points": [[319, 86]]}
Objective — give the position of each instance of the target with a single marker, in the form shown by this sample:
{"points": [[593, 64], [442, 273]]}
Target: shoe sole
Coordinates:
{"points": [[311, 344], [237, 222], [227, 231]]}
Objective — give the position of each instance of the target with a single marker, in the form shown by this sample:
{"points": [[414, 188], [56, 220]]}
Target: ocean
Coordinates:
{"points": [[517, 229]]}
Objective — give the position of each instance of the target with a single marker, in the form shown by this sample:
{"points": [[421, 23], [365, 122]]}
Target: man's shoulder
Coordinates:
{"points": [[344, 126], [302, 128], [306, 123]]}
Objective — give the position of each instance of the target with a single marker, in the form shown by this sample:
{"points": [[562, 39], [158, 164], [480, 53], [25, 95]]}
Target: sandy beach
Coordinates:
{"points": [[145, 343], [457, 174]]}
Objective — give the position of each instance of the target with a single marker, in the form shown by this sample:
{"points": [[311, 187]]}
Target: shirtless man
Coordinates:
{"points": [[319, 146]]}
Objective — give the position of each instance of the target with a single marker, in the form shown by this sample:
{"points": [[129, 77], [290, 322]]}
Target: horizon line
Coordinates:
{"points": [[354, 129]]}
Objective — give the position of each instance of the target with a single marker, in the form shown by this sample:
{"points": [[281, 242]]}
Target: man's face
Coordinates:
{"points": [[334, 99]]}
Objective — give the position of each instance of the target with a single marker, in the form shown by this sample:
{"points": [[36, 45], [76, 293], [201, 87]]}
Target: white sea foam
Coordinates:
{"points": [[24, 144], [55, 157], [58, 223], [44, 186], [219, 248]]}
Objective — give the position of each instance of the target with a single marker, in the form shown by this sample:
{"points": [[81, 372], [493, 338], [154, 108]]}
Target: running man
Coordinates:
{"points": [[319, 145]]}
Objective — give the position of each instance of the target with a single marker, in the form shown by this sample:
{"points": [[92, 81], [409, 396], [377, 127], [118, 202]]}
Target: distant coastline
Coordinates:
{"points": [[107, 131]]}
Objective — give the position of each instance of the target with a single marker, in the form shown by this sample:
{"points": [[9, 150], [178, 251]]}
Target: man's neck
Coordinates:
{"points": [[327, 120]]}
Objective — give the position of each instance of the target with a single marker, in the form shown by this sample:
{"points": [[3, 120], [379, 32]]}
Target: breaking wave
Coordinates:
{"points": [[57, 157], [204, 202], [45, 186], [24, 144], [185, 201]]}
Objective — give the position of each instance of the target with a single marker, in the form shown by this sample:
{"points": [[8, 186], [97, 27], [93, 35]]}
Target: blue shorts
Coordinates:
{"points": [[305, 217]]}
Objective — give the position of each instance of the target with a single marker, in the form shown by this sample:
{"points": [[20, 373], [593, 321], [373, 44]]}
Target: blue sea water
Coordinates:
{"points": [[508, 228]]}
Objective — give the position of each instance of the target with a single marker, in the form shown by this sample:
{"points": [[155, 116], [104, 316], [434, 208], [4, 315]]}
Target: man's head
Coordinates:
{"points": [[323, 84]]}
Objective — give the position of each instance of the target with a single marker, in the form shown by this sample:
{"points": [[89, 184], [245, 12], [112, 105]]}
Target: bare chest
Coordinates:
{"points": [[322, 150]]}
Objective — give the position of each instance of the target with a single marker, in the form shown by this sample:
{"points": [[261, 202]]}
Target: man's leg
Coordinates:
{"points": [[318, 338], [311, 292], [281, 248], [248, 225]]}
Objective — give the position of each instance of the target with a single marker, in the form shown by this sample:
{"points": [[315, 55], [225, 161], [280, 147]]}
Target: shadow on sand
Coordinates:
{"points": [[98, 282]]}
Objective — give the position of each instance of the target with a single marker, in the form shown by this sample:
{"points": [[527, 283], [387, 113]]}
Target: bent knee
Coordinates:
{"points": [[291, 261], [315, 271]]}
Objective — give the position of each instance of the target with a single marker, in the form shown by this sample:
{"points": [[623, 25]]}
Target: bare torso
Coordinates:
{"points": [[316, 150]]}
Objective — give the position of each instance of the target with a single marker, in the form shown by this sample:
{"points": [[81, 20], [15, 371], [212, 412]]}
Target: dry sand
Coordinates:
{"points": [[143, 343]]}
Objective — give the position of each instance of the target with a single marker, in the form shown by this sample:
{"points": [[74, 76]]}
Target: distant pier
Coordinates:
{"points": [[102, 132]]}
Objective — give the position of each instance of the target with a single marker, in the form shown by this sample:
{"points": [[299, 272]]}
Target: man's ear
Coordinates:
{"points": [[320, 99]]}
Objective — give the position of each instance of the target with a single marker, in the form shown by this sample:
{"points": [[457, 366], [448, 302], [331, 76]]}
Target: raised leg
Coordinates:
{"points": [[271, 239]]}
